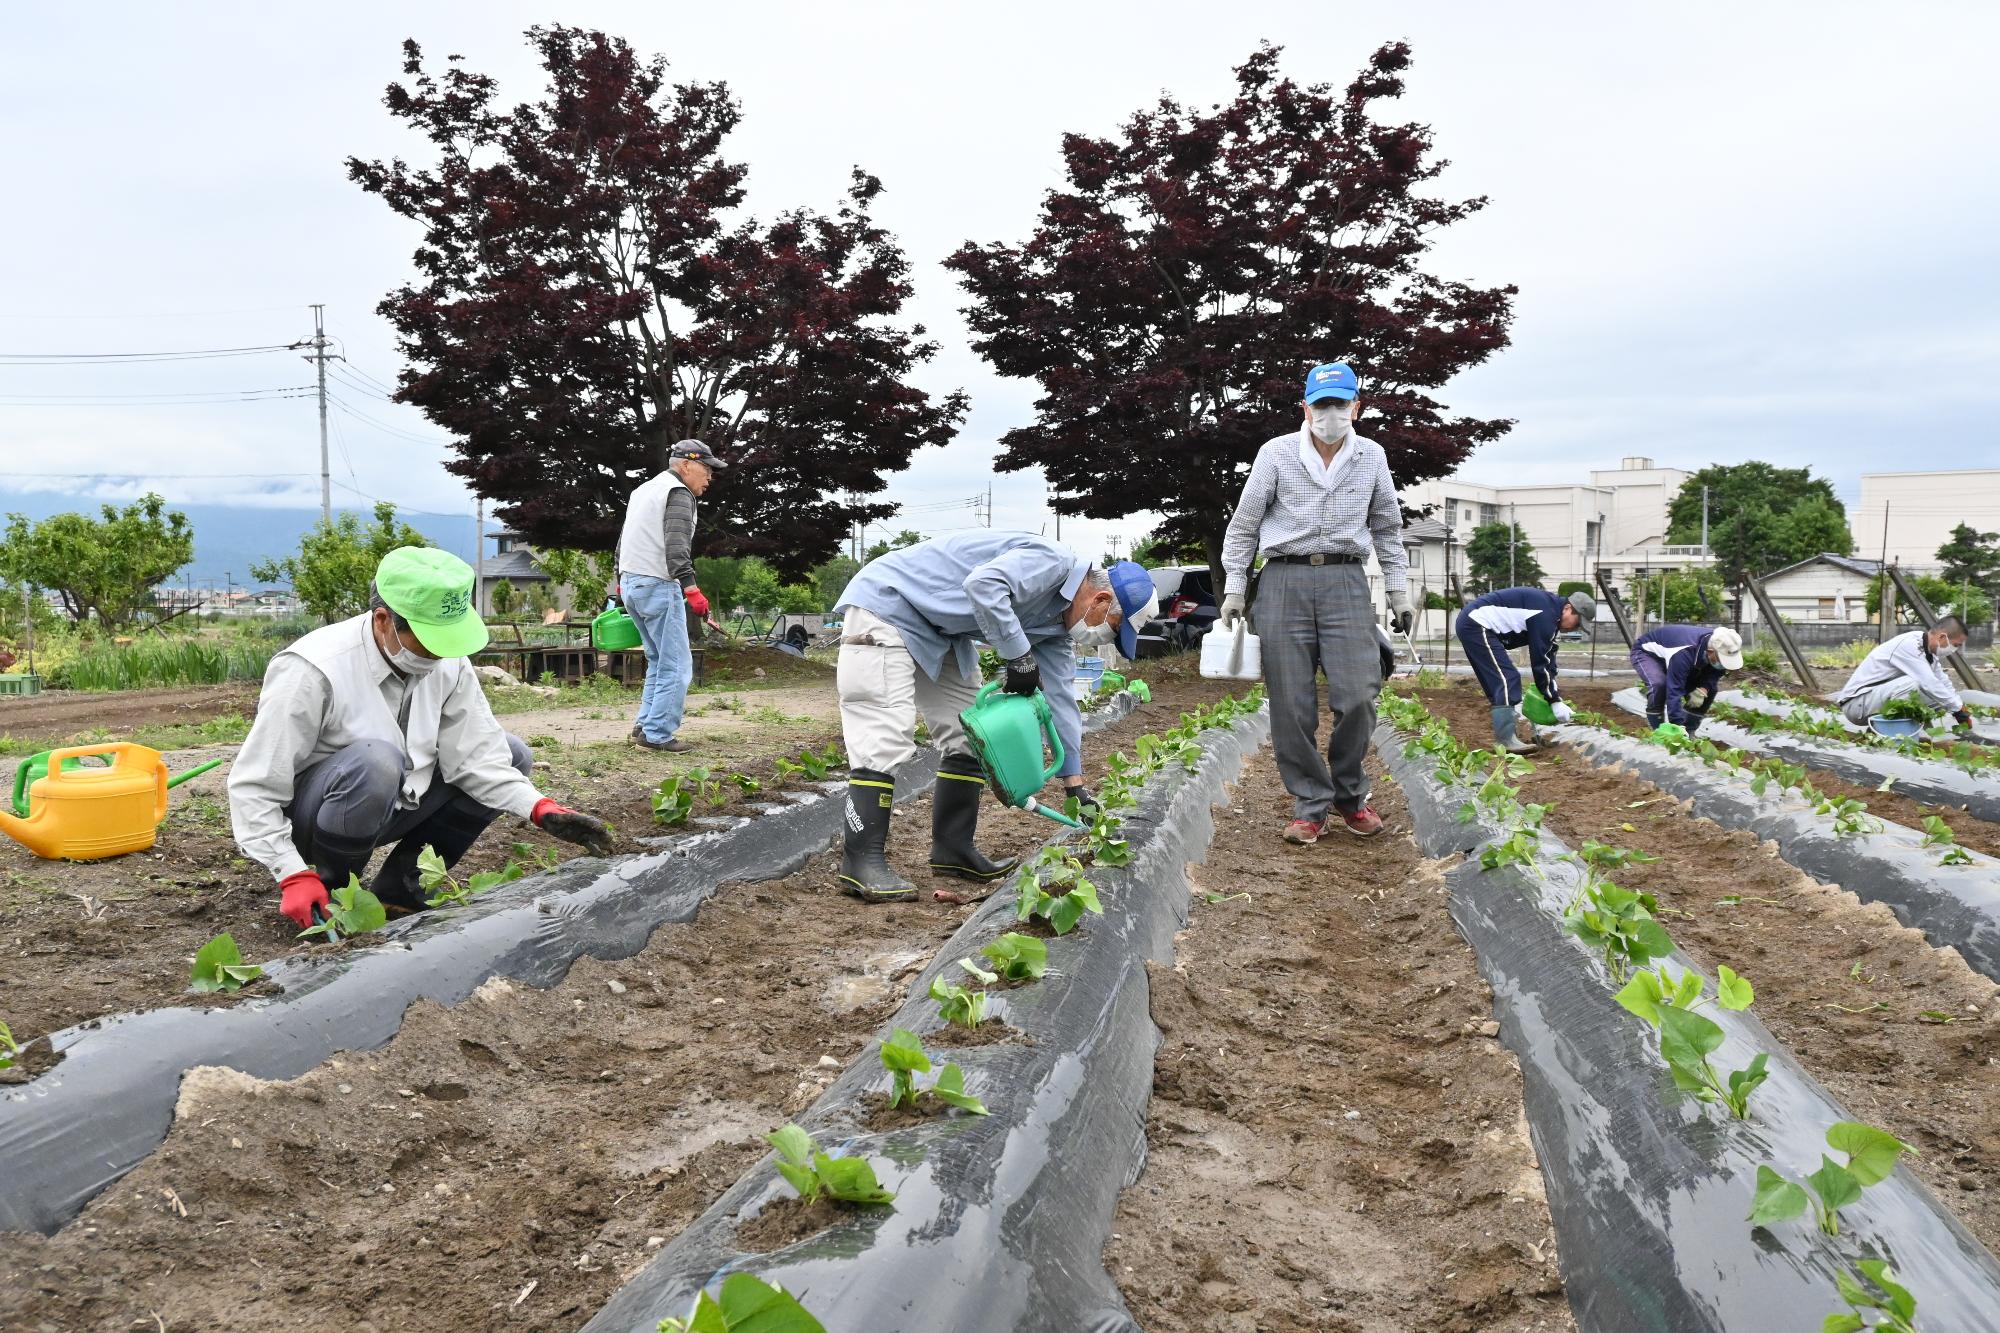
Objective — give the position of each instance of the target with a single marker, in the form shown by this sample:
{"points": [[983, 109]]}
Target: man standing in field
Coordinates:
{"points": [[1508, 618], [656, 583], [1315, 503], [912, 620], [1910, 663], [1681, 668], [374, 731]]}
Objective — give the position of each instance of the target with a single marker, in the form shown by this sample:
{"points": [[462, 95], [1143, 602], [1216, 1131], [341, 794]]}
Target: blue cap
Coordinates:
{"points": [[1138, 600], [1333, 380]]}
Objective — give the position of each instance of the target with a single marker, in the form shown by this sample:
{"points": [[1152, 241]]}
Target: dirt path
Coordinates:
{"points": [[1906, 1036], [1334, 1142], [526, 1136], [57, 714]]}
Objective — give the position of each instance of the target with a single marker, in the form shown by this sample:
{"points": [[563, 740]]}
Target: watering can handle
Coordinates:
{"points": [[1056, 753], [1236, 652]]}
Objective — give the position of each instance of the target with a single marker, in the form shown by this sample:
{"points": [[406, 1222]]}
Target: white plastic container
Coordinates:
{"points": [[1234, 656]]}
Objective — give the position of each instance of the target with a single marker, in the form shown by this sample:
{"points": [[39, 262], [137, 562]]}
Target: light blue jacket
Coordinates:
{"points": [[1011, 589]]}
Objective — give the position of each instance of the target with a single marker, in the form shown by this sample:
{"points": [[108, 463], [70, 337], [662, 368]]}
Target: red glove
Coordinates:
{"points": [[697, 600], [559, 821], [303, 891]]}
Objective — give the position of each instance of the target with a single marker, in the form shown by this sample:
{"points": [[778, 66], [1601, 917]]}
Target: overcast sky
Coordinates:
{"points": [[1739, 231]]}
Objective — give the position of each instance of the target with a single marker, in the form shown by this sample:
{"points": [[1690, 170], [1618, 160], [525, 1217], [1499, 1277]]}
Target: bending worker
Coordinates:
{"points": [[372, 731], [1317, 500], [1910, 663], [908, 646], [1509, 618], [1682, 667], [656, 583]]}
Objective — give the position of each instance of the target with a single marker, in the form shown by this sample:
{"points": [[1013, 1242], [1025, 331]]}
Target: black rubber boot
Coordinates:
{"points": [[864, 870], [450, 831], [961, 785]]}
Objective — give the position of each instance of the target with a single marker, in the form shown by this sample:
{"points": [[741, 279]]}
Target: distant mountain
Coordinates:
{"points": [[228, 539]]}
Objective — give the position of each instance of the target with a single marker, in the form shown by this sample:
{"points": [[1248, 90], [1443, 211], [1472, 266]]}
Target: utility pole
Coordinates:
{"points": [[1704, 522], [1887, 600], [478, 554], [1114, 541], [989, 504], [1512, 528], [319, 362]]}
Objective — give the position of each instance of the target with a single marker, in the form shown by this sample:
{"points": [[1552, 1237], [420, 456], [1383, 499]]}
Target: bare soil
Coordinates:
{"points": [[1334, 1141], [55, 716], [511, 1161], [1906, 1036], [1978, 834]]}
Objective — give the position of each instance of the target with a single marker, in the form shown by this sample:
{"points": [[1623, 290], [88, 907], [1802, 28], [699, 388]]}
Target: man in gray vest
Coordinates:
{"points": [[373, 731], [1317, 500], [656, 583]]}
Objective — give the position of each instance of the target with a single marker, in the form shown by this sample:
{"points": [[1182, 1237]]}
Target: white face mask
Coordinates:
{"points": [[1086, 635], [1946, 649], [407, 661], [1331, 421]]}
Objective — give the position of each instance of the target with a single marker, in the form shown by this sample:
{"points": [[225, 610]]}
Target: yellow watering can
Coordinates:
{"points": [[88, 814]]}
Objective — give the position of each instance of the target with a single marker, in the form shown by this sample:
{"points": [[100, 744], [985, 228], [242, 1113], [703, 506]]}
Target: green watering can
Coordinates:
{"points": [[1537, 708], [613, 630], [36, 767], [1008, 732]]}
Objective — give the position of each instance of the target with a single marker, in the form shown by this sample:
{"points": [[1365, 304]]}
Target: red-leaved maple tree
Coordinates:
{"points": [[1173, 295], [586, 292]]}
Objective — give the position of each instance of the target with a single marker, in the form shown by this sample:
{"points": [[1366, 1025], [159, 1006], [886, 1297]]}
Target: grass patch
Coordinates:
{"points": [[152, 663]]}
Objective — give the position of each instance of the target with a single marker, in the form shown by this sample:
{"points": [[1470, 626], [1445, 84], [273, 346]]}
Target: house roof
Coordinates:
{"points": [[515, 564], [1867, 569], [1425, 530]]}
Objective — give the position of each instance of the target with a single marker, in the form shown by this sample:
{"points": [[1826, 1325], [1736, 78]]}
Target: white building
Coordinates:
{"points": [[1824, 589], [1618, 520], [1921, 509]]}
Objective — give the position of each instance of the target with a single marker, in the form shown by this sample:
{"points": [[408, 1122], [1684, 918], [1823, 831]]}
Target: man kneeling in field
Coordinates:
{"points": [[374, 731]]}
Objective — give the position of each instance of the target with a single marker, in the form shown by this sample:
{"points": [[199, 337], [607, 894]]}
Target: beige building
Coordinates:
{"points": [[1825, 589], [1914, 513]]}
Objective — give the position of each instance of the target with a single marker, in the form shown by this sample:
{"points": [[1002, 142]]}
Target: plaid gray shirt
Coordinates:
{"points": [[1284, 511]]}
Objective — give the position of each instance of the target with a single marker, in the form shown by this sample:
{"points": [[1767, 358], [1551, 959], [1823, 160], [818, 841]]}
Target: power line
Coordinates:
{"points": [[158, 476], [383, 427], [165, 314], [212, 398], [130, 358]]}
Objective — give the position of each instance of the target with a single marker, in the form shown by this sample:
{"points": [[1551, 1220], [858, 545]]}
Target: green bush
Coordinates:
{"points": [[1760, 659], [152, 663], [1568, 586]]}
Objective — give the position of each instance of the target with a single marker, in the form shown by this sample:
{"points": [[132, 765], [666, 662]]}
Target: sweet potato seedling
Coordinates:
{"points": [[353, 911], [747, 1304], [903, 1056], [440, 889], [673, 801], [1619, 924], [1871, 1155], [1687, 1039], [1061, 910], [813, 1173], [1895, 1310], [957, 1005], [9, 1048], [220, 966], [1516, 849], [1018, 957]]}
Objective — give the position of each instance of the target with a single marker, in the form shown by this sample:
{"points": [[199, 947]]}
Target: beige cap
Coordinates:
{"points": [[1728, 646]]}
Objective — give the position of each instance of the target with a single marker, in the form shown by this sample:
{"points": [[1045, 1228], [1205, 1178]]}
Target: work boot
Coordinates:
{"points": [[1504, 734], [864, 870], [955, 819]]}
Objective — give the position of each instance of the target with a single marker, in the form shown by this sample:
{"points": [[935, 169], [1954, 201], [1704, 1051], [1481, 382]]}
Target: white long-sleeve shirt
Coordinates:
{"points": [[1288, 508], [296, 727], [1902, 656]]}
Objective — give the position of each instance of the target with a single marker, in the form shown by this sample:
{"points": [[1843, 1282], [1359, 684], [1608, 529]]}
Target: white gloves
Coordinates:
{"points": [[1562, 711], [1401, 615], [1232, 611]]}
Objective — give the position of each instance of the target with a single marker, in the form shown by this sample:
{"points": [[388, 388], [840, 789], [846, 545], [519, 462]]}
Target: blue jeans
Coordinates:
{"points": [[659, 610]]}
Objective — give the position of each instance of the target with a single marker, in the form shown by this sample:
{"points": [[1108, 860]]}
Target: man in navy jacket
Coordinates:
{"points": [[1678, 662], [1528, 618]]}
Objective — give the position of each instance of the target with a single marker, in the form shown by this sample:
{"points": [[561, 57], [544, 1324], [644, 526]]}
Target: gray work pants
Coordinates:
{"points": [[882, 690], [344, 807], [1313, 618], [1872, 701]]}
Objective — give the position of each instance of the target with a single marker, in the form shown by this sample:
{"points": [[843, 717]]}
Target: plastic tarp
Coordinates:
{"points": [[1955, 905], [999, 1220], [1982, 729], [1925, 780], [1649, 1189]]}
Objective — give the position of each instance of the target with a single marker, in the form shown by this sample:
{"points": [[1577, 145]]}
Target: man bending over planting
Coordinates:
{"points": [[1510, 618], [909, 645], [1911, 663], [1682, 667], [374, 731]]}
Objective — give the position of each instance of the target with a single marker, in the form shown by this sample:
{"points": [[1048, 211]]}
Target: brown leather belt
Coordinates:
{"points": [[1319, 559]]}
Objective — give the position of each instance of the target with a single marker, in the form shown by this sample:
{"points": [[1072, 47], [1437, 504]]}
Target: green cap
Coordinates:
{"points": [[432, 589]]}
